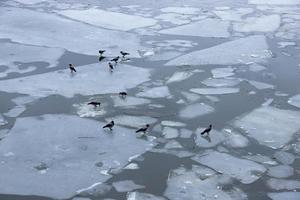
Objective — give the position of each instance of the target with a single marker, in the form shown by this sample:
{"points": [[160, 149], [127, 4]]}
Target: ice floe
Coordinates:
{"points": [[132, 166], [173, 144], [221, 82], [181, 10], [283, 184], [133, 121], [214, 138], [295, 100], [244, 170], [170, 133], [97, 189], [222, 72], [2, 120], [284, 195], [129, 101], [261, 85], [264, 23], [156, 92], [270, 126], [88, 80], [284, 157], [179, 76], [172, 124], [108, 19], [209, 28], [281, 171], [256, 67], [69, 147], [249, 49], [233, 15], [142, 196], [126, 186], [195, 110], [85, 110], [44, 29], [174, 18], [274, 2], [236, 140], [215, 91]]}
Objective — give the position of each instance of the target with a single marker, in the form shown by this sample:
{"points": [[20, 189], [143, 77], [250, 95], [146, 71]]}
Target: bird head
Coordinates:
{"points": [[147, 125], [112, 122], [70, 65], [210, 125]]}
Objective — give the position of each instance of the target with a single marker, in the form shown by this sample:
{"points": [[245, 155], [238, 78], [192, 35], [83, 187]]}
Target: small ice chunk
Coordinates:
{"points": [[85, 110], [215, 91], [179, 76], [214, 138], [285, 195], [132, 166], [281, 171], [156, 92], [126, 186], [108, 19], [2, 120], [181, 10], [238, 51], [284, 157], [270, 126], [221, 82], [195, 110], [264, 23], [142, 196], [173, 144], [261, 85], [256, 67], [295, 100], [129, 101], [95, 190], [261, 159], [133, 121], [211, 27], [191, 97], [282, 184], [236, 140], [170, 133], [172, 124], [238, 168], [222, 72], [274, 2], [185, 133]]}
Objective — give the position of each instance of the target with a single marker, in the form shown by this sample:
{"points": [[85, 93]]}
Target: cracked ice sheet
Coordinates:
{"points": [[62, 142], [108, 19], [187, 184], [233, 15], [264, 23], [133, 121], [129, 101], [45, 28], [13, 52], [239, 51], [270, 126], [88, 80], [208, 27], [241, 169]]}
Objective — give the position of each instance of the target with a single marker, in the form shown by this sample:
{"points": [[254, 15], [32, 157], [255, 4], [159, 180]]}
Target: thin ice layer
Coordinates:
{"points": [[51, 30], [88, 80], [249, 49], [62, 150], [270, 126]]}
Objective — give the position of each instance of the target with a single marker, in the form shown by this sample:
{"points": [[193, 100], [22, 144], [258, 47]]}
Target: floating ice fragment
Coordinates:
{"points": [[85, 110], [142, 196], [132, 166], [256, 67], [264, 23], [126, 186], [95, 190], [156, 92], [284, 157], [172, 124], [215, 137], [261, 159], [233, 15], [222, 72], [212, 91], [133, 121], [191, 97], [179, 76], [282, 184], [244, 170], [129, 101], [236, 140], [173, 144], [195, 110], [281, 171], [285, 195], [181, 10], [170, 133], [221, 82], [261, 85], [295, 100], [274, 2], [2, 120]]}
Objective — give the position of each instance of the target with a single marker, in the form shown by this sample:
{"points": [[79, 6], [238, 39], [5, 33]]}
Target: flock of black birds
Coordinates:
{"points": [[96, 104]]}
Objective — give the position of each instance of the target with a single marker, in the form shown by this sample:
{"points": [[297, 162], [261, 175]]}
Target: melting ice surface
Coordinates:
{"points": [[68, 148], [270, 126], [88, 80]]}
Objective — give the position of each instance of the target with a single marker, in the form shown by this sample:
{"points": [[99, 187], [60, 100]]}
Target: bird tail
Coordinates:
{"points": [[203, 132], [105, 126]]}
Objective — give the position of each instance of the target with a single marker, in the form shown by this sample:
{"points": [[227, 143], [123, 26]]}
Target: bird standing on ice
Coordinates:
{"points": [[143, 130], [72, 68], [110, 125], [207, 130]]}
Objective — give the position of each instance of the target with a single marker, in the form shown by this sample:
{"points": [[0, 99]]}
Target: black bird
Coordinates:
{"points": [[101, 58], [111, 67], [124, 53], [94, 103], [101, 52], [110, 125], [72, 68], [207, 130], [122, 94], [144, 129], [115, 59]]}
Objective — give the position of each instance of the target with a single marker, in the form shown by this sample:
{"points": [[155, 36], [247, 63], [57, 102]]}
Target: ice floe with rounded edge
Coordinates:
{"points": [[270, 126], [179, 76], [215, 91], [236, 140], [181, 10], [256, 67], [195, 110], [172, 123], [281, 171], [186, 184], [222, 72], [214, 138], [285, 158], [142, 196], [274, 2], [85, 110], [132, 121], [244, 50], [69, 148], [233, 14], [264, 23], [108, 19], [132, 166], [209, 28], [45, 28], [284, 195], [244, 170], [2, 120], [129, 101], [169, 132], [283, 184], [126, 186], [221, 82], [13, 53], [88, 80], [260, 85], [156, 92], [295, 100]]}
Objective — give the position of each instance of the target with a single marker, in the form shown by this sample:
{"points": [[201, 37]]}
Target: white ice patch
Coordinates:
{"points": [[133, 121], [172, 124], [295, 100], [142, 196], [179, 76], [233, 15], [181, 10], [30, 2], [126, 186], [203, 28], [256, 67], [195, 110], [174, 18], [261, 85], [264, 23], [281, 171], [274, 2], [11, 53], [173, 144], [69, 148], [170, 133], [129, 101], [191, 97], [215, 91], [222, 72], [2, 120], [284, 157], [236, 140], [244, 170], [88, 80], [244, 50], [214, 138], [85, 110], [221, 82], [109, 20], [95, 190], [270, 126], [156, 92], [281, 184], [132, 166], [284, 195], [54, 31]]}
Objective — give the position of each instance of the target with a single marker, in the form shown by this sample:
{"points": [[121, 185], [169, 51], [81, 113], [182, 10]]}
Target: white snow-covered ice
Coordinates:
{"points": [[195, 110]]}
